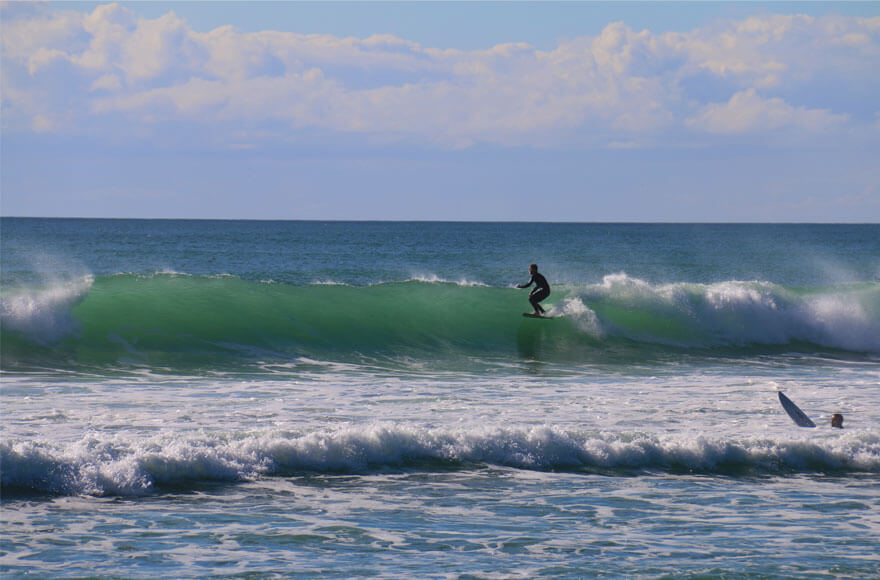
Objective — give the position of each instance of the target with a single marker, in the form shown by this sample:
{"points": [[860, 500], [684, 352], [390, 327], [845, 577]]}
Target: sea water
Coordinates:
{"points": [[333, 399]]}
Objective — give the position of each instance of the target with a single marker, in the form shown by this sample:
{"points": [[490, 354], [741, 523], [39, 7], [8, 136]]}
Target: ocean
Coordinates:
{"points": [[283, 399]]}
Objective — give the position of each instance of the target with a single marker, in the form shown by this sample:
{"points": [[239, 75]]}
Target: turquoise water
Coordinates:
{"points": [[346, 399]]}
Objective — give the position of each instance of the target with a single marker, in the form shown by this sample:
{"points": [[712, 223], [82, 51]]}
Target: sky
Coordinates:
{"points": [[526, 111]]}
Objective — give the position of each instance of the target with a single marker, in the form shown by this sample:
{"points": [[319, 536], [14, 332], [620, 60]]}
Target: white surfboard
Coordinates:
{"points": [[798, 416]]}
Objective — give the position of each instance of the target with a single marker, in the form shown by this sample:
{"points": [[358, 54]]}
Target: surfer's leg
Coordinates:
{"points": [[535, 298]]}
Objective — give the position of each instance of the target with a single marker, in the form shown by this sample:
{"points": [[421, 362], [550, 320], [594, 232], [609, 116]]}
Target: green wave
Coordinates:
{"points": [[174, 320], [177, 319]]}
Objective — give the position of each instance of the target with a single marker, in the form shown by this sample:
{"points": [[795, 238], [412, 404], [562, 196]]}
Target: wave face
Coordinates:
{"points": [[844, 317], [116, 466], [178, 320]]}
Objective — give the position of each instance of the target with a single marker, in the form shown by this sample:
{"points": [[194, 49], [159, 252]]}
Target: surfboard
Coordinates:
{"points": [[794, 412], [530, 315]]}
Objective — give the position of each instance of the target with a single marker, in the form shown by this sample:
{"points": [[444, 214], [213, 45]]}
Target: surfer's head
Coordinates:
{"points": [[533, 268], [837, 420]]}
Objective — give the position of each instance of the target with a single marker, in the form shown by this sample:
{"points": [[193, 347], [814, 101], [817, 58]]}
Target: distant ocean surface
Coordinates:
{"points": [[245, 399]]}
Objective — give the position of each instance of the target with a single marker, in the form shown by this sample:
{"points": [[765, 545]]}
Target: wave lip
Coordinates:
{"points": [[434, 279], [736, 313], [45, 315], [179, 321], [116, 466]]}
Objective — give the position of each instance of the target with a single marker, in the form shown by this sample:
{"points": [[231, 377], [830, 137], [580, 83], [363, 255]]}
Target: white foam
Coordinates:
{"points": [[115, 465], [575, 309], [737, 312], [44, 314], [434, 279]]}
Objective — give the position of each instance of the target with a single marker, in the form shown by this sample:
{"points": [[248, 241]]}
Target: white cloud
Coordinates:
{"points": [[748, 112], [108, 82], [41, 124], [109, 28], [38, 40], [621, 86]]}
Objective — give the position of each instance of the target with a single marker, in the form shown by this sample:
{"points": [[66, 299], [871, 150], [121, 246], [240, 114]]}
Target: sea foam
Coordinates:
{"points": [[44, 314], [184, 321], [729, 313], [119, 466]]}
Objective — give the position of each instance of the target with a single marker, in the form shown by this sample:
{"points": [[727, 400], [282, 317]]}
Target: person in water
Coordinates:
{"points": [[540, 292], [837, 420]]}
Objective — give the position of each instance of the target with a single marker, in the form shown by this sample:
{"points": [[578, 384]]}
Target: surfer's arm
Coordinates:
{"points": [[527, 284]]}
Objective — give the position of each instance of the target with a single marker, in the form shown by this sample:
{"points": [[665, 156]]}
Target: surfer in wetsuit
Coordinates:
{"points": [[541, 290]]}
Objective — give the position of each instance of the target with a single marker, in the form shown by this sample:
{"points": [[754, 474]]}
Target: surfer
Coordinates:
{"points": [[540, 291], [837, 420]]}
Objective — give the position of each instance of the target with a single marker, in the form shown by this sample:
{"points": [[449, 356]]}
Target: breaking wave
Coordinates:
{"points": [[174, 319], [126, 467]]}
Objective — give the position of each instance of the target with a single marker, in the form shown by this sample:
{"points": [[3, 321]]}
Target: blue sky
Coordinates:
{"points": [[615, 111]]}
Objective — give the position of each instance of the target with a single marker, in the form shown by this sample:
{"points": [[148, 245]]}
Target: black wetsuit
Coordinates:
{"points": [[541, 291]]}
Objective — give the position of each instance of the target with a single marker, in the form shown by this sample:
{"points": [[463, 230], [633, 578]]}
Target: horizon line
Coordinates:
{"points": [[448, 221]]}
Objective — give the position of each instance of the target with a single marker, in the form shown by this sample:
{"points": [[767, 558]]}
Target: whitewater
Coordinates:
{"points": [[282, 399]]}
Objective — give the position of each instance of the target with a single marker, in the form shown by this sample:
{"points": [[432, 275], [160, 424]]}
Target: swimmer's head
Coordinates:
{"points": [[837, 420]]}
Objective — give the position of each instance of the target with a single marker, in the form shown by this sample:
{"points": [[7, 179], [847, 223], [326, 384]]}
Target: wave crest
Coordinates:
{"points": [[732, 313], [175, 321], [45, 314], [117, 466]]}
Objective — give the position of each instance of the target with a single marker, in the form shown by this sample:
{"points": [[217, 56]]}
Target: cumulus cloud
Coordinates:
{"points": [[754, 50], [748, 112], [622, 86]]}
